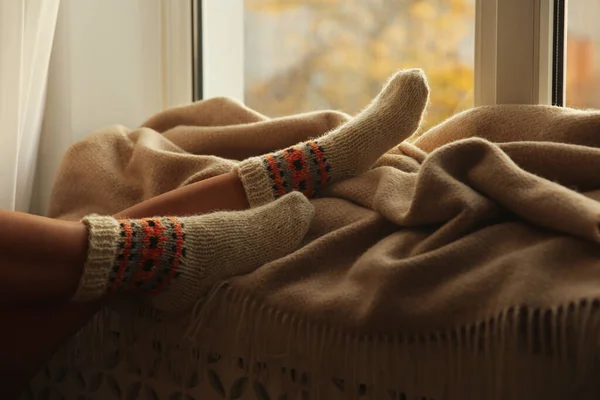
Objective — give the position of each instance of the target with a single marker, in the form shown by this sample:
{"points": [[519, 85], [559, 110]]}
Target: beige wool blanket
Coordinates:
{"points": [[465, 264]]}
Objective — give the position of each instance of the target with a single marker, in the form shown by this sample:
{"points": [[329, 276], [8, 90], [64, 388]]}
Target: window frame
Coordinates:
{"points": [[559, 59], [222, 32], [177, 52], [514, 50]]}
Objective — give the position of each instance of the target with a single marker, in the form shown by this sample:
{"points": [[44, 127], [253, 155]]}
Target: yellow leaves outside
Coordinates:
{"points": [[344, 51], [424, 10], [274, 6]]}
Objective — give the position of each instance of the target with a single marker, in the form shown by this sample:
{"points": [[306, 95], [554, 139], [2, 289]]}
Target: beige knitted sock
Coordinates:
{"points": [[178, 260], [351, 149]]}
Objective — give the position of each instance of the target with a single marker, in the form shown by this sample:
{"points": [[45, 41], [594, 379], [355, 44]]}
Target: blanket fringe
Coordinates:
{"points": [[521, 352]]}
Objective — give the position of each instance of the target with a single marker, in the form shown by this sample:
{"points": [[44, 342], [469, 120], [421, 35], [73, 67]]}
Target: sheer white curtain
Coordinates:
{"points": [[26, 35]]}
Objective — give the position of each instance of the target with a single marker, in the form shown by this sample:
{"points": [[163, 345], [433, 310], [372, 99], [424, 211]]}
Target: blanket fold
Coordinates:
{"points": [[464, 265]]}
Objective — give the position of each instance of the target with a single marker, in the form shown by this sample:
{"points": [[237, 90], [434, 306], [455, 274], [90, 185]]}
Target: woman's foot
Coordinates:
{"points": [[178, 260], [347, 151]]}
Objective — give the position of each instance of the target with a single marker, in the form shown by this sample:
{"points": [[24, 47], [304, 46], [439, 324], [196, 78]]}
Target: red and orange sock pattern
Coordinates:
{"points": [[150, 255], [302, 168]]}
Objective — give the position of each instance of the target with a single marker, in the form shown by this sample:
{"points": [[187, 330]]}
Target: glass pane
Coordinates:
{"points": [[305, 55], [583, 54]]}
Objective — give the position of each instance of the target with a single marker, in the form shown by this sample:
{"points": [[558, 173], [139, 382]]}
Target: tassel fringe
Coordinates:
{"points": [[520, 352]]}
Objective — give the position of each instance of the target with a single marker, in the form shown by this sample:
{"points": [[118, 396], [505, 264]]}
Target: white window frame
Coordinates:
{"points": [[223, 48], [177, 52], [513, 50]]}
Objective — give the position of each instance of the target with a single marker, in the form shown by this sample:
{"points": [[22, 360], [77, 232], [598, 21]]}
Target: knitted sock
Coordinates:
{"points": [[180, 259], [347, 151]]}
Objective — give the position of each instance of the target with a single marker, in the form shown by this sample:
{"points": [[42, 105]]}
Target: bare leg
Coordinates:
{"points": [[35, 248], [34, 331], [224, 192]]}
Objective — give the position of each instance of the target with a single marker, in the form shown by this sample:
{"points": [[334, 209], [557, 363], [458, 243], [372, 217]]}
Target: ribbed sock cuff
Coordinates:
{"points": [[103, 235], [256, 181]]}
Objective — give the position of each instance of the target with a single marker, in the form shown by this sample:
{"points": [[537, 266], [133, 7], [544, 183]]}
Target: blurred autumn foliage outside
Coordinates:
{"points": [[305, 55], [583, 54]]}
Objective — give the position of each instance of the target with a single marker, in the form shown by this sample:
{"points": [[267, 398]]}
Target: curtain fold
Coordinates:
{"points": [[26, 35]]}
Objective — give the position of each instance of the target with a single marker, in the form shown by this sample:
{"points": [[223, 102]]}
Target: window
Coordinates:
{"points": [[290, 56], [583, 54], [336, 54]]}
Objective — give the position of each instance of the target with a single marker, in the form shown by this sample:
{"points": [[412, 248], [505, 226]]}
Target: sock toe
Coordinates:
{"points": [[222, 245], [353, 148]]}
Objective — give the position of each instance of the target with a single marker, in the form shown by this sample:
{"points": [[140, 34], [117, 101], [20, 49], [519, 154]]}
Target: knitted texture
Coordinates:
{"points": [[103, 235], [351, 149], [180, 259]]}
